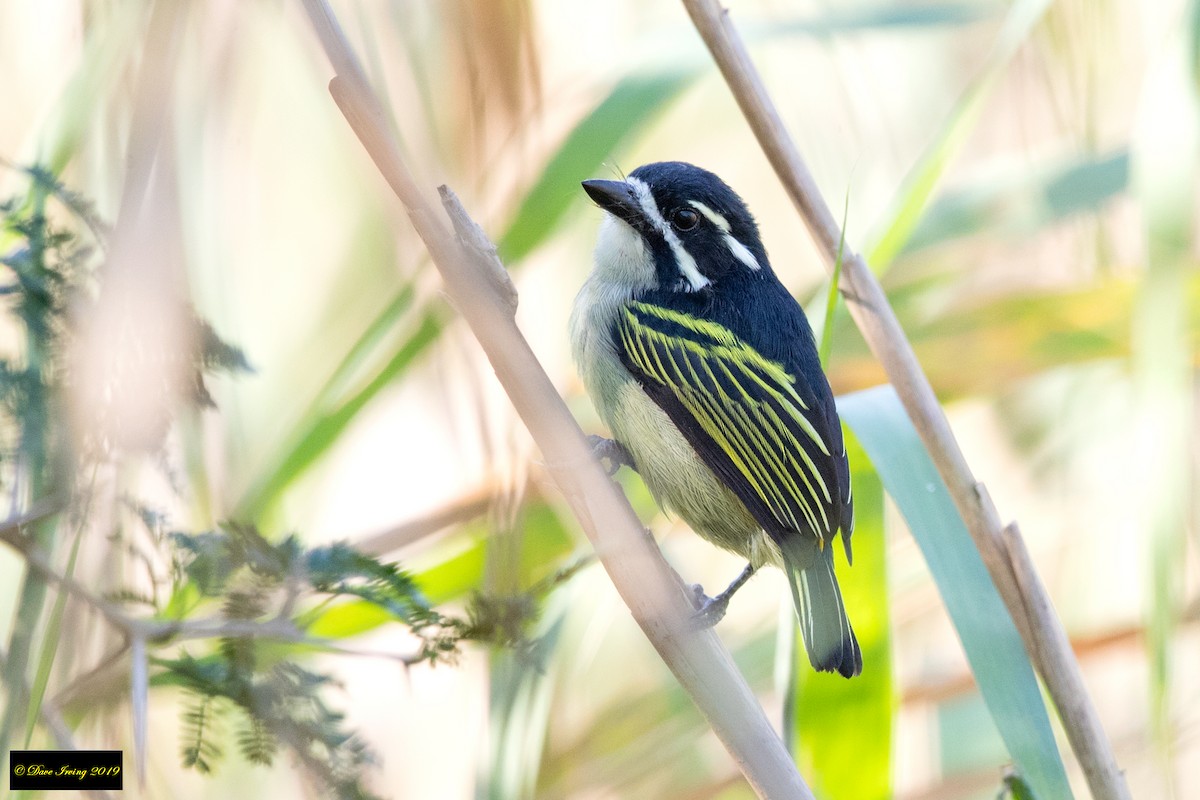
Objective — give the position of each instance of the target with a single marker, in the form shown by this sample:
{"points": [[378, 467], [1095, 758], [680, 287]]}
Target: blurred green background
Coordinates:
{"points": [[1022, 176]]}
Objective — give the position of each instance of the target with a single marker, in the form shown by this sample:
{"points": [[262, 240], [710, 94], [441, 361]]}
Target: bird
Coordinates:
{"points": [[706, 371]]}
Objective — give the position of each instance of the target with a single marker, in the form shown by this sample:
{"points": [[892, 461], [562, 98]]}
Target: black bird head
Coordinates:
{"points": [[675, 226]]}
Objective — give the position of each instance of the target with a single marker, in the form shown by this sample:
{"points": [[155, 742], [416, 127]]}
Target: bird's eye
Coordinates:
{"points": [[684, 219]]}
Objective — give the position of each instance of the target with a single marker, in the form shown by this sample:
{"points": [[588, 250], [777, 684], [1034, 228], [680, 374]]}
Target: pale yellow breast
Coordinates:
{"points": [[681, 482], [667, 463]]}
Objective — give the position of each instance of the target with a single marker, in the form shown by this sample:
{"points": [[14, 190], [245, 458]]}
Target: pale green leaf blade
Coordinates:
{"points": [[633, 103], [322, 426], [1024, 202], [843, 728], [989, 638], [840, 21]]}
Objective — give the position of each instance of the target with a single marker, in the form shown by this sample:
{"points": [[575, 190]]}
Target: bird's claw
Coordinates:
{"points": [[612, 451], [709, 610]]}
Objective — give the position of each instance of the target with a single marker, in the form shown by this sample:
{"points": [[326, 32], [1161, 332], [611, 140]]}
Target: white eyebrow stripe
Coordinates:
{"points": [[741, 252], [713, 216], [683, 259]]}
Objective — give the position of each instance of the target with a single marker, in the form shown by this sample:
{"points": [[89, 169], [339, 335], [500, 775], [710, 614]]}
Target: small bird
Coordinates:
{"points": [[705, 369]]}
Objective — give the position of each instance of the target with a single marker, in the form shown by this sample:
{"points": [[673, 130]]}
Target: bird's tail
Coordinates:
{"points": [[828, 637]]}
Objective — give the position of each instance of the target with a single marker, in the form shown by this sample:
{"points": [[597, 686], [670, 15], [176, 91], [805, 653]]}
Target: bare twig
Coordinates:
{"points": [[464, 509], [1017, 582], [139, 697], [475, 281]]}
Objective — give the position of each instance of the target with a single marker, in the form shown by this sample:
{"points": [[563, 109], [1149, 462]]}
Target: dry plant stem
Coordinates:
{"points": [[466, 508], [1049, 639], [1017, 582], [477, 283]]}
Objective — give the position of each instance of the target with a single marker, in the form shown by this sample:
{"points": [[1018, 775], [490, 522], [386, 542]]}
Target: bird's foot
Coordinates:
{"points": [[612, 451], [709, 610]]}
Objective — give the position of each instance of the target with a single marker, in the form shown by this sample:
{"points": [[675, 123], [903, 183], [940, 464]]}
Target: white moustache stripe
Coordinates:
{"points": [[741, 252], [683, 259]]}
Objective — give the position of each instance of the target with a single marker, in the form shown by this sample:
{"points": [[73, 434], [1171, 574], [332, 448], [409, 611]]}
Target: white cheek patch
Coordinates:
{"points": [[739, 250], [621, 255], [683, 259]]}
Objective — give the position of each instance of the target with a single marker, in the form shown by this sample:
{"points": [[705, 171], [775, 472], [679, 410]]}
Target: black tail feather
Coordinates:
{"points": [[828, 637]]}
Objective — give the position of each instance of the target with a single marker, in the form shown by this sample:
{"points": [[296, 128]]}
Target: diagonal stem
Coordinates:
{"points": [[1003, 552], [477, 284]]}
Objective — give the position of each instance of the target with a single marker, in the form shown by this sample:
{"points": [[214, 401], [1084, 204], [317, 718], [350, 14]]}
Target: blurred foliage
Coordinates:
{"points": [[279, 700], [250, 578], [1040, 254]]}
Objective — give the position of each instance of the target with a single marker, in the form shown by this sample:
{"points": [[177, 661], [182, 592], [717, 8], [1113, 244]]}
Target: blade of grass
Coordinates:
{"points": [[631, 105], [522, 686], [834, 21], [1166, 158], [990, 640], [460, 567], [1023, 202], [323, 427], [1011, 338], [50, 645], [832, 294]]}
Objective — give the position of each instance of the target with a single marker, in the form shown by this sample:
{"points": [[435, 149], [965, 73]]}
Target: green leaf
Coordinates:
{"points": [[520, 699], [1165, 156], [831, 295], [632, 104], [544, 542], [989, 638], [844, 727], [50, 641], [339, 569], [1011, 338], [833, 21], [1193, 45], [1024, 201], [351, 618]]}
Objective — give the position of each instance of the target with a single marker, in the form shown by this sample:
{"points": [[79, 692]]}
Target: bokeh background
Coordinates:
{"points": [[1023, 177]]}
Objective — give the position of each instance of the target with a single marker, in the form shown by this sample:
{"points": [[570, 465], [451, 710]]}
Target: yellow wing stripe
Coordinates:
{"points": [[777, 469], [772, 423], [729, 345], [750, 431], [714, 423], [768, 422], [737, 351], [751, 454]]}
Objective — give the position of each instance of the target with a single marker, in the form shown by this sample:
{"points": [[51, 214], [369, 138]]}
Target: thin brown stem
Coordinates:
{"points": [[1003, 554], [478, 285]]}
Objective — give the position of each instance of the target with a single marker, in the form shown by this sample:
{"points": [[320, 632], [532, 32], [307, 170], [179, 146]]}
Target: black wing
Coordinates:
{"points": [[745, 415]]}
